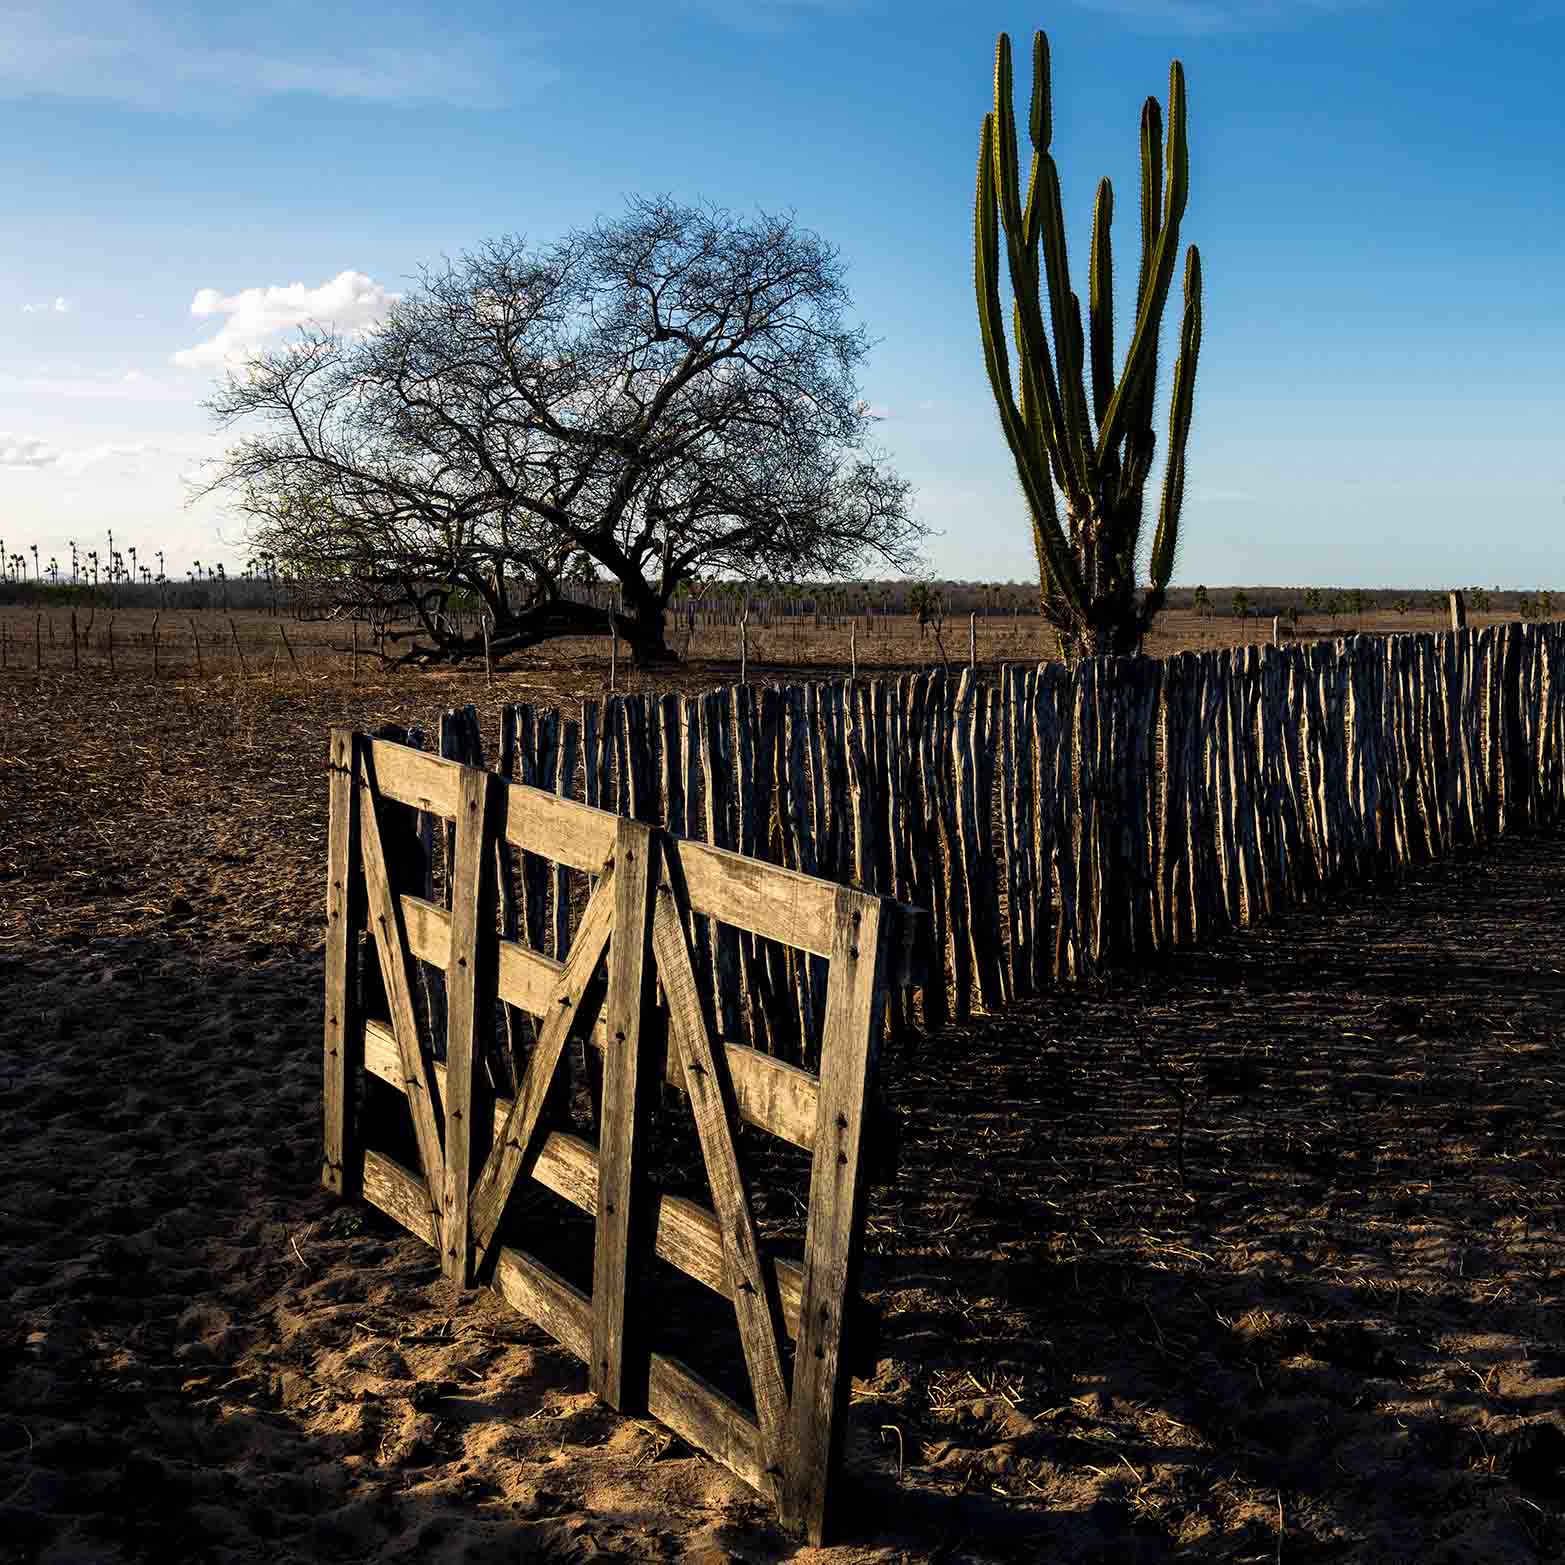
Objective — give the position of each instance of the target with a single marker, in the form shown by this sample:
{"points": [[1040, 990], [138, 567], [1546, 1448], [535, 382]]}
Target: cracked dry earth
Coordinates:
{"points": [[1254, 1257]]}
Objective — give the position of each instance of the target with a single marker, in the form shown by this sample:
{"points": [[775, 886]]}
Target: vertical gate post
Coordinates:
{"points": [[620, 1355], [342, 1169], [471, 978], [834, 1237]]}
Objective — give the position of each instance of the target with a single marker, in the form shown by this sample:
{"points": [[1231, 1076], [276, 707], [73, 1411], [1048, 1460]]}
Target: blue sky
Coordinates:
{"points": [[1375, 191]]}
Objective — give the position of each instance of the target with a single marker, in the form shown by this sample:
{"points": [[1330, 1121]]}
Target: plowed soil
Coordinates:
{"points": [[1258, 1256]]}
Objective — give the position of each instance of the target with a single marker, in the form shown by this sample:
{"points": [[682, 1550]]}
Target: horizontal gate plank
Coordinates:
{"points": [[676, 1395], [686, 1233], [543, 1296], [399, 1193], [778, 1097], [765, 899], [700, 1413]]}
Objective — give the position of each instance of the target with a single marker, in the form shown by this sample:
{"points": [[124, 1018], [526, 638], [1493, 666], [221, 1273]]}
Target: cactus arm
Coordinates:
{"points": [[1021, 433], [1143, 344], [1004, 119], [1045, 221], [1040, 118], [1021, 236], [1057, 271], [1035, 413], [1151, 225], [1181, 409], [1100, 302]]}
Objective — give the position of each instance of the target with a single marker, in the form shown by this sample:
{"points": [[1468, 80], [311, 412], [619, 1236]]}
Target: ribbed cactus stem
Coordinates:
{"points": [[1095, 451]]}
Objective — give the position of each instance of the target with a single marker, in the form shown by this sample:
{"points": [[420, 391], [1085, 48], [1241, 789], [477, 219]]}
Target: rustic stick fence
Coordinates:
{"points": [[1065, 819], [484, 1114]]}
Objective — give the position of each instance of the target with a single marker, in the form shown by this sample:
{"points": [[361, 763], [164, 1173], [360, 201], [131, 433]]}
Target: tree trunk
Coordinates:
{"points": [[644, 625]]}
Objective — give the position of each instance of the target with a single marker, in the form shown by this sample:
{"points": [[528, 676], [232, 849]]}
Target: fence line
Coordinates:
{"points": [[1066, 819]]}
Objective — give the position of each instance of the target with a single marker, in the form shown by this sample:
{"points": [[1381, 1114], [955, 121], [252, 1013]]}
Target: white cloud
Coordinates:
{"points": [[125, 458], [218, 59], [26, 451], [61, 305], [350, 302]]}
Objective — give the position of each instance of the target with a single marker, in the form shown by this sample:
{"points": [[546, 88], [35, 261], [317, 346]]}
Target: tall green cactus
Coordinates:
{"points": [[1087, 568]]}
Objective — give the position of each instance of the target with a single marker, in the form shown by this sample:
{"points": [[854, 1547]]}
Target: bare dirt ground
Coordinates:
{"points": [[1258, 1257]]}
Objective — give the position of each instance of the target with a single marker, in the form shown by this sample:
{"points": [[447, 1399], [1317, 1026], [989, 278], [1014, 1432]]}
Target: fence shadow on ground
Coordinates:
{"points": [[1333, 1287]]}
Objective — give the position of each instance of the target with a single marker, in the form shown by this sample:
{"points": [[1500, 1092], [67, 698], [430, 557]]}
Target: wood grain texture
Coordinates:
{"points": [[778, 1097], [698, 1412], [686, 1234], [402, 1195], [342, 1047], [711, 1100], [618, 1366], [426, 782], [514, 1145], [385, 919], [471, 974], [834, 1228]]}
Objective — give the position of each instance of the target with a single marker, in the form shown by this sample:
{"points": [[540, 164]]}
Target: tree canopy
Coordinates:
{"points": [[666, 397]]}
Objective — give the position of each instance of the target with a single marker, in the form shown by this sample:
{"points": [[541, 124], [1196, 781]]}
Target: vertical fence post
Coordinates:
{"points": [[620, 1358], [470, 994], [1458, 611], [342, 1170]]}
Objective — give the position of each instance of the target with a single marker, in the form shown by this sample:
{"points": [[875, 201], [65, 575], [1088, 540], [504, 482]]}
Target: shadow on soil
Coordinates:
{"points": [[1258, 1253]]}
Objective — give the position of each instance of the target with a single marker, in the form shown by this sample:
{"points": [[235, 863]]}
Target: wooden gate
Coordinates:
{"points": [[474, 1146]]}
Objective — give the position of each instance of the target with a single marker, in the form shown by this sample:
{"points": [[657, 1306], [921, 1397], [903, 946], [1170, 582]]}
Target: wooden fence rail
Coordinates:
{"points": [[484, 1108], [1065, 819]]}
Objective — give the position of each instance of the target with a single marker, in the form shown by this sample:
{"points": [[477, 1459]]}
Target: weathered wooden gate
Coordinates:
{"points": [[632, 943]]}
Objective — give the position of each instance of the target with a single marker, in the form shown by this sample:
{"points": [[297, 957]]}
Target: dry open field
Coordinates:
{"points": [[1256, 1257], [253, 642]]}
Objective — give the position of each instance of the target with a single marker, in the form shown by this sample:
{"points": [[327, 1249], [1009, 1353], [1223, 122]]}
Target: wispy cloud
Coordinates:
{"points": [[60, 306], [145, 57], [351, 302], [1216, 16], [126, 457], [26, 452]]}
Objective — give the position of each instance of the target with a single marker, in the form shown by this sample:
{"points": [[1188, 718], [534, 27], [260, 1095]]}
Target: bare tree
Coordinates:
{"points": [[661, 398]]}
